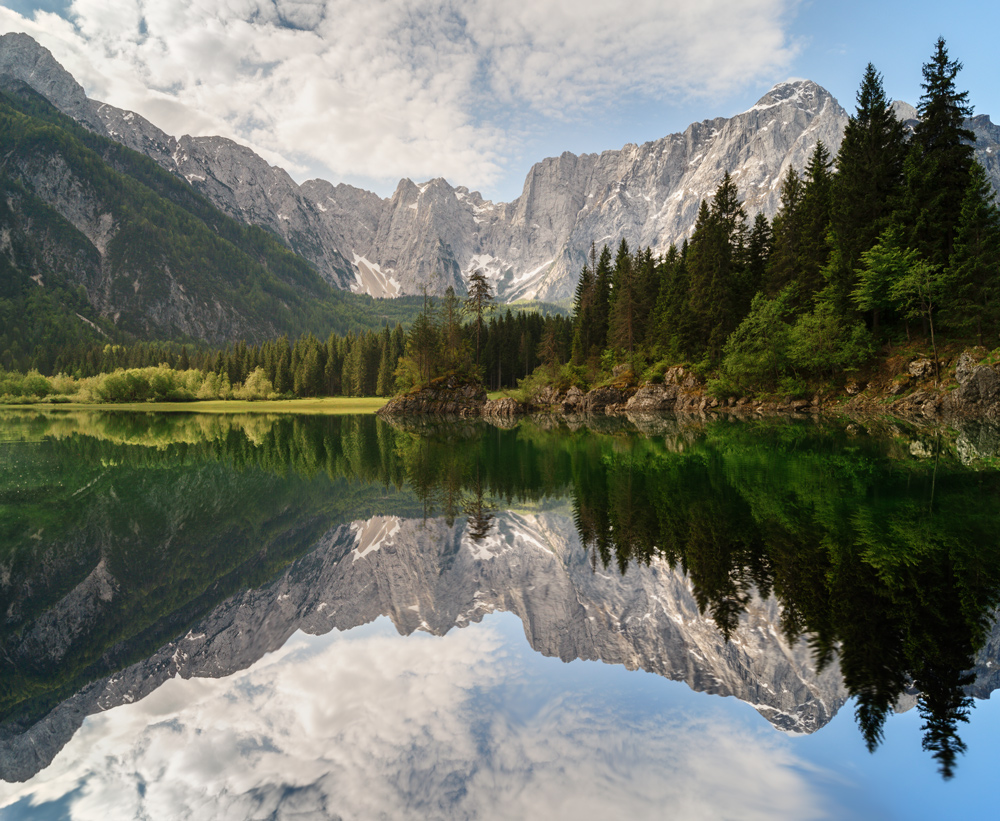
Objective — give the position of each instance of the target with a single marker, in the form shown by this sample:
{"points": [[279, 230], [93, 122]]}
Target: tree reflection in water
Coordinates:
{"points": [[881, 549], [886, 562]]}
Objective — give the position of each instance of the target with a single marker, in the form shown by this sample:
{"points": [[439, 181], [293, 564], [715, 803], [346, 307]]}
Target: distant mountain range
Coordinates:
{"points": [[432, 235]]}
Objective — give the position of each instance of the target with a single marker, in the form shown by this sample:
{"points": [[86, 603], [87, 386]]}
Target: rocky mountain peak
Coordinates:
{"points": [[904, 111], [801, 93], [432, 235], [29, 61]]}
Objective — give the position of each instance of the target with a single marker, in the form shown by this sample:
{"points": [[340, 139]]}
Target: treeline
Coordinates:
{"points": [[441, 340], [353, 365], [468, 338], [896, 236]]}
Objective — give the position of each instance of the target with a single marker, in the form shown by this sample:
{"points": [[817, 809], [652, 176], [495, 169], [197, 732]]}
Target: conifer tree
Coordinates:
{"points": [[283, 366], [671, 331], [713, 262], [785, 256], [817, 200], [973, 276], [602, 301], [479, 303], [937, 170], [623, 308], [868, 183], [349, 377], [550, 348], [334, 366], [759, 248], [387, 365], [398, 342], [422, 341], [583, 310], [647, 288]]}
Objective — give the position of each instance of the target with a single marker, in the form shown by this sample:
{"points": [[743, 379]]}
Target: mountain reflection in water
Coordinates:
{"points": [[792, 565]]}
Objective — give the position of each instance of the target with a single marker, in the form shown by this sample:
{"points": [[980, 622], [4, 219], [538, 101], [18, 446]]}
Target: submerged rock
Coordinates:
{"points": [[503, 410]]}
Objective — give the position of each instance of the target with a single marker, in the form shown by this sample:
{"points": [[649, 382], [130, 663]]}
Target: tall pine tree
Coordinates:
{"points": [[937, 170], [973, 296], [868, 183]]}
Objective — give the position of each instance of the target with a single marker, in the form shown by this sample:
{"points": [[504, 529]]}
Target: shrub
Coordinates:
{"points": [[34, 384], [257, 386]]}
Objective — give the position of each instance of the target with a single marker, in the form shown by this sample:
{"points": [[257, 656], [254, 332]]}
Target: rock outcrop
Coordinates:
{"points": [[978, 392], [447, 396], [504, 410], [921, 392]]}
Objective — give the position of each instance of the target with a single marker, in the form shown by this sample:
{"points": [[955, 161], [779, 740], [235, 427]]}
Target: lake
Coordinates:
{"points": [[275, 616]]}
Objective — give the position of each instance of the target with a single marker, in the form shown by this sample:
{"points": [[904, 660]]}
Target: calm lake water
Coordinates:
{"points": [[274, 616]]}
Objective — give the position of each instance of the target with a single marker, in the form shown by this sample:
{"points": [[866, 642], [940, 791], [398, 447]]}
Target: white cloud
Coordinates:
{"points": [[390, 88], [418, 727]]}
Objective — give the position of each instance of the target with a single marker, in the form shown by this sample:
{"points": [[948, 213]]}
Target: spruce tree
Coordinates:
{"points": [[973, 277], [283, 367], [783, 265], [623, 308], [583, 319], [670, 331], [713, 262], [937, 171], [868, 183], [334, 366], [422, 341], [550, 349], [602, 301], [817, 200], [647, 279], [759, 248], [387, 365]]}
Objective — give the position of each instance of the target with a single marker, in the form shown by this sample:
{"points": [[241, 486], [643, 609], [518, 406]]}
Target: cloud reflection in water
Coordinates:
{"points": [[370, 724]]}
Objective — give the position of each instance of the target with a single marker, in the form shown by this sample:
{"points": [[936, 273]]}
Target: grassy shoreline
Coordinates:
{"points": [[330, 405]]}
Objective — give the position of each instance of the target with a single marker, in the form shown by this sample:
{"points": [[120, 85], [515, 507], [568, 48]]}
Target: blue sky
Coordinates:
{"points": [[477, 90]]}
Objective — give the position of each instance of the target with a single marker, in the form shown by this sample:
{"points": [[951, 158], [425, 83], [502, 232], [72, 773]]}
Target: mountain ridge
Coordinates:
{"points": [[433, 235], [92, 228]]}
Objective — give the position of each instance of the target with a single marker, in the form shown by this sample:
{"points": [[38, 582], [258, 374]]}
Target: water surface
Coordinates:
{"points": [[255, 616]]}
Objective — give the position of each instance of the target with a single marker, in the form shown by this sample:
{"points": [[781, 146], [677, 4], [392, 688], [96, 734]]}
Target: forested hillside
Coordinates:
{"points": [[99, 243], [895, 238]]}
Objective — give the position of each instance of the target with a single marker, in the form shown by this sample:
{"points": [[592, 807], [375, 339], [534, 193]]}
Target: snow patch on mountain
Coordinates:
{"points": [[371, 280]]}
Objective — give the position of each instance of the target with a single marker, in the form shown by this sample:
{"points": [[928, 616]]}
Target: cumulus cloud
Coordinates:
{"points": [[388, 88], [385, 726]]}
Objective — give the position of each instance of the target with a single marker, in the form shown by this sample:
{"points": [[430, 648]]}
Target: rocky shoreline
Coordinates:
{"points": [[968, 388]]}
